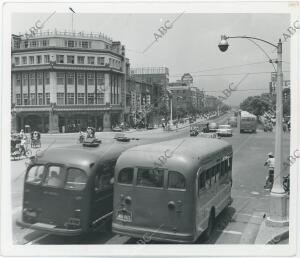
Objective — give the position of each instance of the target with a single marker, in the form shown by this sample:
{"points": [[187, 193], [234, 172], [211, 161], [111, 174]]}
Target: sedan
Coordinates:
{"points": [[224, 130]]}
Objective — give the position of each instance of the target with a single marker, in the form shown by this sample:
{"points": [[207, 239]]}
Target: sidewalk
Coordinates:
{"points": [[259, 231], [270, 234]]}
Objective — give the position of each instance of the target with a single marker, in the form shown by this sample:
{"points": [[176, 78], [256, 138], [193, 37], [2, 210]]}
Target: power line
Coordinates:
{"points": [[235, 90], [233, 74]]}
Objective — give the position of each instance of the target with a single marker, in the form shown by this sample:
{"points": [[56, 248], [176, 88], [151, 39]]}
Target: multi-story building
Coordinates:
{"points": [[185, 96], [65, 81], [211, 103]]}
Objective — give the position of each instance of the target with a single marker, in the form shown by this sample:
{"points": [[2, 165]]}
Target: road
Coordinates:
{"points": [[238, 223]]}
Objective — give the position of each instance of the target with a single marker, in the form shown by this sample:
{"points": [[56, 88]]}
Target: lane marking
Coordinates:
{"points": [[249, 215], [37, 239], [230, 232]]}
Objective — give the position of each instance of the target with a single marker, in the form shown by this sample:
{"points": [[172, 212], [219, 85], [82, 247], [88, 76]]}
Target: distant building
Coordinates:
{"points": [[64, 81], [211, 102], [188, 79], [185, 95]]}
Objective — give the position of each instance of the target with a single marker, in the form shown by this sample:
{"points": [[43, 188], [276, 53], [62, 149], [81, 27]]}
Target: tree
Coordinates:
{"points": [[256, 105]]}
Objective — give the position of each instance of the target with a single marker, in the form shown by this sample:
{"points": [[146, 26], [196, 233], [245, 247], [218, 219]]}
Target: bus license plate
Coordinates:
{"points": [[124, 216]]}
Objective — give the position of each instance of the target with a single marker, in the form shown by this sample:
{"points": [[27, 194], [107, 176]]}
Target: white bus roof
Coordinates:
{"points": [[246, 113], [179, 153]]}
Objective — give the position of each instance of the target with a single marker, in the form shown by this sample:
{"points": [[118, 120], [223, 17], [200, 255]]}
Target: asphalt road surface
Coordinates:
{"points": [[237, 224]]}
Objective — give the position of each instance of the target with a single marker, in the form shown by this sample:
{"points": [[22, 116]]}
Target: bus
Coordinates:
{"points": [[69, 190], [172, 190], [248, 122]]}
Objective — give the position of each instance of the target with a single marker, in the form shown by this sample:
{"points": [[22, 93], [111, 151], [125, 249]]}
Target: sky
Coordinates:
{"points": [[189, 46]]}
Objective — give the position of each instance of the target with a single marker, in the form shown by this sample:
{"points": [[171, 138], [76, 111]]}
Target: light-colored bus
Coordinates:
{"points": [[172, 190], [248, 122]]}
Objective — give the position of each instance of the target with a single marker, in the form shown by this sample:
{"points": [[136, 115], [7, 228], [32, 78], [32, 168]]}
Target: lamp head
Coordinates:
{"points": [[223, 45]]}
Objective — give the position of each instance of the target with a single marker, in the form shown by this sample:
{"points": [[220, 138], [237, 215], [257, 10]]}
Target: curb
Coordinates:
{"points": [[276, 239]]}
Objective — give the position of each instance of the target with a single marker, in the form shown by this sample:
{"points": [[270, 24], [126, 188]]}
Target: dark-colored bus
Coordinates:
{"points": [[69, 190]]}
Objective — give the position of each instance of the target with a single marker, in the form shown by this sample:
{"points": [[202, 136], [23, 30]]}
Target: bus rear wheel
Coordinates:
{"points": [[211, 222]]}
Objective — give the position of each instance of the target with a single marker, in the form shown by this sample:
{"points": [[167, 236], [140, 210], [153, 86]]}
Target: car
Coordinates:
{"points": [[208, 135], [213, 127], [224, 130], [117, 129]]}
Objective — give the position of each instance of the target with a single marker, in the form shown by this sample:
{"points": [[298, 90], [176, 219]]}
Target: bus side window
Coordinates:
{"points": [[126, 176], [216, 172], [222, 171], [208, 178], [103, 180], [230, 163], [201, 182]]}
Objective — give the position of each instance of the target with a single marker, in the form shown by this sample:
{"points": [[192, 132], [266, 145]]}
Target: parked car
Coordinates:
{"points": [[213, 127], [224, 130]]}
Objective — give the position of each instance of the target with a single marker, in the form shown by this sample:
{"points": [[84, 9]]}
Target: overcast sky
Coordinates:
{"points": [[190, 46]]}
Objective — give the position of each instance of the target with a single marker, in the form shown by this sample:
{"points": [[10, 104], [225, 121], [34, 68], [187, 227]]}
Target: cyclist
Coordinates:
{"points": [[270, 162]]}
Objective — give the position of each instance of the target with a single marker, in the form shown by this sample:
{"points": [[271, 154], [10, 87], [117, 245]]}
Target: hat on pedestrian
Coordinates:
{"points": [[270, 154]]}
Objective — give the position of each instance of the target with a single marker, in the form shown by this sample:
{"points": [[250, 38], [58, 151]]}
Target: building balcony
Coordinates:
{"points": [[67, 108]]}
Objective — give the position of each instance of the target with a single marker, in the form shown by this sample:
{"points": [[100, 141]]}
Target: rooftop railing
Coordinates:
{"points": [[73, 34]]}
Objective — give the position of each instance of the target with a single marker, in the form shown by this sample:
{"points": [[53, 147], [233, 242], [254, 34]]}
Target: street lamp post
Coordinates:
{"points": [[278, 216]]}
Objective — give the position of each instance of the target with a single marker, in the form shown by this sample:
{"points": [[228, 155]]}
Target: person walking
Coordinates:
{"points": [[270, 162]]}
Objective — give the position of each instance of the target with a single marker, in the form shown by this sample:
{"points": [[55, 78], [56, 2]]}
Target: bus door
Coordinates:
{"points": [[102, 200]]}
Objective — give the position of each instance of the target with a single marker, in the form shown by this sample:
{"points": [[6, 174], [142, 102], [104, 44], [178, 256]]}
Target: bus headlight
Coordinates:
{"points": [[74, 222]]}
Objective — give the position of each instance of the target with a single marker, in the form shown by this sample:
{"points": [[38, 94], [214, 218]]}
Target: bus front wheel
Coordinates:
{"points": [[211, 222]]}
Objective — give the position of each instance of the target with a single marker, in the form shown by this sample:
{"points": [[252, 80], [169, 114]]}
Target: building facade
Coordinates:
{"points": [[64, 82], [286, 86], [186, 97]]}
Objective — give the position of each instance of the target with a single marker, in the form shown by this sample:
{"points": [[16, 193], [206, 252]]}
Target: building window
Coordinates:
{"points": [[47, 77], [18, 99], [31, 79], [60, 78], [91, 60], [70, 98], [110, 61], [17, 60], [100, 98], [24, 60], [80, 78], [100, 60], [46, 59], [60, 59], [100, 79], [70, 59], [80, 59], [48, 98], [25, 99], [25, 79], [70, 78], [84, 44], [91, 98], [45, 43], [18, 79], [39, 59], [31, 60], [26, 44], [39, 78], [90, 79], [32, 43], [60, 98], [17, 44], [40, 98], [80, 98], [71, 43], [32, 99]]}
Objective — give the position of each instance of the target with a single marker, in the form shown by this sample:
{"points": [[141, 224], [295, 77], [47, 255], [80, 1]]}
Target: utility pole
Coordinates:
{"points": [[278, 215]]}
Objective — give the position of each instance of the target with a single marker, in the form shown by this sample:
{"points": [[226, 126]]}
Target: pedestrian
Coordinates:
{"points": [[270, 162], [284, 127]]}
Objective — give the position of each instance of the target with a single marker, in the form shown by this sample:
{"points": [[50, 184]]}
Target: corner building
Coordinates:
{"points": [[63, 81]]}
